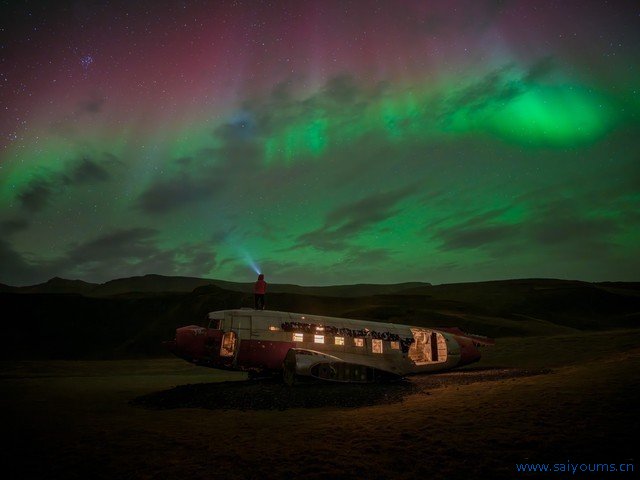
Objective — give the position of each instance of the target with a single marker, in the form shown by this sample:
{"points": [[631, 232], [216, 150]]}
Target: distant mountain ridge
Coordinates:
{"points": [[131, 317], [153, 283]]}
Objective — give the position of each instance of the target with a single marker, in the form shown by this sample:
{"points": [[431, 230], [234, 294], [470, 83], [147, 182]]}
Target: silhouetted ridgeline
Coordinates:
{"points": [[131, 317], [160, 283]]}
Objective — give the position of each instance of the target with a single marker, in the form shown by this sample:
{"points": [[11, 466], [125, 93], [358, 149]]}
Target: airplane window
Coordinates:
{"points": [[318, 339], [297, 337], [376, 346], [395, 345], [358, 342], [339, 340]]}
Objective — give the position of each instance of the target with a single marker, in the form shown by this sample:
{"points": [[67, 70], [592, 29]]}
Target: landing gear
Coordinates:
{"points": [[288, 377], [289, 369]]}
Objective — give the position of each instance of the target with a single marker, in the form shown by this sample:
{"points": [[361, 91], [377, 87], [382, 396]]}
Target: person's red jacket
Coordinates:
{"points": [[260, 288]]}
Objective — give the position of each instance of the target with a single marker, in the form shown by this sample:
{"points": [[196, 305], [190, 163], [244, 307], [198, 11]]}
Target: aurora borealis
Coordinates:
{"points": [[326, 141]]}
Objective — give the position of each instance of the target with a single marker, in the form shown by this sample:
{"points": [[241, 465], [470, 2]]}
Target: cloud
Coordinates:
{"points": [[498, 85], [14, 270], [355, 265], [478, 229], [92, 105], [241, 127], [496, 88], [67, 124], [134, 251], [358, 259], [35, 196], [541, 69], [234, 167], [292, 120], [283, 271], [38, 192], [87, 171], [348, 221], [341, 89], [9, 227], [290, 127], [124, 243], [560, 229], [454, 238], [379, 206], [171, 193], [561, 225]]}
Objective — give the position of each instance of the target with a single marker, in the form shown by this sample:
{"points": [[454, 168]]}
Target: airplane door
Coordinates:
{"points": [[434, 347], [242, 325], [236, 328], [246, 349]]}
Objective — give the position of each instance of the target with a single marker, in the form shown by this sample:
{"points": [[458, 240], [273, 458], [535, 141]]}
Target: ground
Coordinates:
{"points": [[567, 398]]}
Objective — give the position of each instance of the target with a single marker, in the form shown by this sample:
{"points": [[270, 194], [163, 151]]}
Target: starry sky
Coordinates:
{"points": [[320, 142]]}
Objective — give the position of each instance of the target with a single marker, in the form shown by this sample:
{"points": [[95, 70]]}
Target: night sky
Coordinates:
{"points": [[321, 142]]}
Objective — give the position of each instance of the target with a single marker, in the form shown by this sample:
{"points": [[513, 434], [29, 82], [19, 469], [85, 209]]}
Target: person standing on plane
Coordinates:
{"points": [[259, 290]]}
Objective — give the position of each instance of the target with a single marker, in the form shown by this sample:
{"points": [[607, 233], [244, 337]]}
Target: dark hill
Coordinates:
{"points": [[7, 288], [357, 290], [62, 325], [160, 283], [149, 284], [60, 285]]}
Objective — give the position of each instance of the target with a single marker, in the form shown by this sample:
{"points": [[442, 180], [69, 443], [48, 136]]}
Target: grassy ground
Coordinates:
{"points": [[74, 420]]}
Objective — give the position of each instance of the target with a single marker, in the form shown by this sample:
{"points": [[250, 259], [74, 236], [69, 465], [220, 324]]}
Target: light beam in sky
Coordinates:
{"points": [[250, 262]]}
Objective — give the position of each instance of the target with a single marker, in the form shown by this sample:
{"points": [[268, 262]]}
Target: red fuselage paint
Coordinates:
{"points": [[261, 340]]}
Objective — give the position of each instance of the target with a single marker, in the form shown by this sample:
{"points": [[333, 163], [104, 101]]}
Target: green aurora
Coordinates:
{"points": [[505, 169]]}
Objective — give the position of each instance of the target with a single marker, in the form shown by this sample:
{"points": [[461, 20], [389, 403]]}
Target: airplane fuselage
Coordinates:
{"points": [[327, 348]]}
